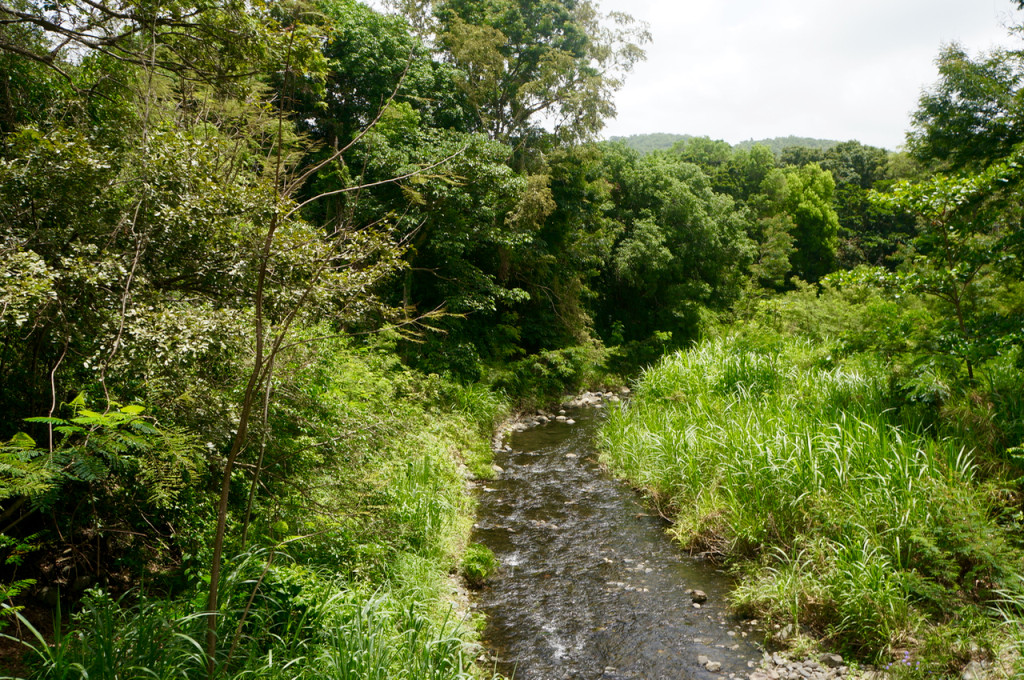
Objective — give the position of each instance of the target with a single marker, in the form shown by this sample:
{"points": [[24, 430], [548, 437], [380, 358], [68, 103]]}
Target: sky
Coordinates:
{"points": [[755, 69]]}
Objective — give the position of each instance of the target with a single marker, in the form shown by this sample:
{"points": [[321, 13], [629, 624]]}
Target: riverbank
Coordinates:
{"points": [[843, 522]]}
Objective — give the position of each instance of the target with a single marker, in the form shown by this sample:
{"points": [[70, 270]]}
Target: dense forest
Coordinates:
{"points": [[271, 273]]}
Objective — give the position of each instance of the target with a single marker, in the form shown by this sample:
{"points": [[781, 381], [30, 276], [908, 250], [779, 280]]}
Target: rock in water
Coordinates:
{"points": [[699, 596]]}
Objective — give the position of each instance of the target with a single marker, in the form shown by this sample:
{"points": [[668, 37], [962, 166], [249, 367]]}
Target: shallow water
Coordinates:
{"points": [[591, 585]]}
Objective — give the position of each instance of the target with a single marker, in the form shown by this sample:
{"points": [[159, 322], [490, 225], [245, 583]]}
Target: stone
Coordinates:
{"points": [[561, 419], [570, 421], [831, 660], [49, 596], [702, 659], [699, 596], [973, 671], [497, 469], [713, 666]]}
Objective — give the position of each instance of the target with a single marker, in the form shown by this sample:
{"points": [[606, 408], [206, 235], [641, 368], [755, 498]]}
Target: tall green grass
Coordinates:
{"points": [[343, 634], [796, 466]]}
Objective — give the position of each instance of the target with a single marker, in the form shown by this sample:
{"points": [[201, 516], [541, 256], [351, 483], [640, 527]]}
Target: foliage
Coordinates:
{"points": [[117, 447], [972, 117], [680, 250], [337, 632], [521, 60], [549, 376], [963, 242], [656, 141]]}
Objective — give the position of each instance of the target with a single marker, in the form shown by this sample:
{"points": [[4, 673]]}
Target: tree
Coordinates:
{"points": [[974, 114], [524, 62], [808, 201], [681, 248], [737, 172], [184, 240], [214, 41], [966, 234], [868, 232]]}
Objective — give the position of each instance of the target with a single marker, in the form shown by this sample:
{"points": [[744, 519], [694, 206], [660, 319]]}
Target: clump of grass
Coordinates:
{"points": [[478, 564], [796, 466]]}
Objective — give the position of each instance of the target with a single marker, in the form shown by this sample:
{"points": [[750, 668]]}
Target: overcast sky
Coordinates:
{"points": [[753, 69]]}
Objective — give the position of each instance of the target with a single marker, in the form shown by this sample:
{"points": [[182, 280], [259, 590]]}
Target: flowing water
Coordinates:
{"points": [[591, 586]]}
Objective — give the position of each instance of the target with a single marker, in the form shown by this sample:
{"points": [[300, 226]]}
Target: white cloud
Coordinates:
{"points": [[753, 69]]}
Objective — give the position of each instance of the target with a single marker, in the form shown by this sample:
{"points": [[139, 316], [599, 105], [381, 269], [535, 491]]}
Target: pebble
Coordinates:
{"points": [[777, 667]]}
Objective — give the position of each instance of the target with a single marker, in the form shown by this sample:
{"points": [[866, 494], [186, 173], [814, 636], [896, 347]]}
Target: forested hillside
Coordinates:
{"points": [[654, 141], [271, 273], [663, 141]]}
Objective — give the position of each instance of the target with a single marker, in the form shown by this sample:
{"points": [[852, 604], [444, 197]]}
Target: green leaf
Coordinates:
{"points": [[133, 409], [22, 441], [46, 421]]}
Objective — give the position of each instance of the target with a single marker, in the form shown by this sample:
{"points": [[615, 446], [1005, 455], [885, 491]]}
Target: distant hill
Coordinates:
{"points": [[663, 141], [655, 141], [777, 144]]}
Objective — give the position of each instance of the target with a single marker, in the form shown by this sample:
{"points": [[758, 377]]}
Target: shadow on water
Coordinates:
{"points": [[591, 585]]}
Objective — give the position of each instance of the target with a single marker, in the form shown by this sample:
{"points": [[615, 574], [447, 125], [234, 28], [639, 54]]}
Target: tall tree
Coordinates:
{"points": [[808, 201], [525, 63]]}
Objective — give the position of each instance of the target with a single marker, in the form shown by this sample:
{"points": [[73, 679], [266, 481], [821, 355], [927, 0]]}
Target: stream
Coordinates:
{"points": [[590, 585]]}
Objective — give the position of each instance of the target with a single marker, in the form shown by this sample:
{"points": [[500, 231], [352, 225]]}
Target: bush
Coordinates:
{"points": [[548, 376]]}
